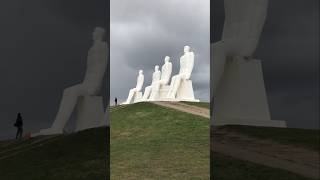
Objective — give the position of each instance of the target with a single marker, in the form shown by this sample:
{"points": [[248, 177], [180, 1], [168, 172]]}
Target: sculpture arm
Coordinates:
{"points": [[140, 83], [169, 73], [190, 65]]}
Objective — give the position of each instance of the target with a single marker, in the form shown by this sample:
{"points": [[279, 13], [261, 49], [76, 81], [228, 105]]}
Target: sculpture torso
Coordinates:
{"points": [[186, 64], [156, 77], [96, 66], [140, 80], [243, 25], [166, 71]]}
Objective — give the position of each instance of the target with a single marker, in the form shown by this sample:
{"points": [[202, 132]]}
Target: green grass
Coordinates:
{"points": [[227, 168], [152, 142], [199, 104], [78, 156], [305, 138]]}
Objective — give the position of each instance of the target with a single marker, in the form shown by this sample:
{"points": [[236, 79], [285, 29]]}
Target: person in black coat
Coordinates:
{"points": [[19, 125], [116, 101]]}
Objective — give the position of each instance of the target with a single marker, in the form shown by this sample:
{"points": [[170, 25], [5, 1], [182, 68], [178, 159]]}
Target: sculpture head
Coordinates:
{"points": [[140, 72], [186, 49], [98, 34], [156, 68], [166, 59]]}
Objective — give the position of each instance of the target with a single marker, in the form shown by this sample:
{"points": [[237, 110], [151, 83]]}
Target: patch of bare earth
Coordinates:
{"points": [[266, 152]]}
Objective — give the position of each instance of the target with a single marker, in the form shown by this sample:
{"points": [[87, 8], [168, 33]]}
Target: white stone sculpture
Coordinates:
{"points": [[181, 86], [239, 95], [155, 78], [85, 96], [135, 94], [161, 88]]}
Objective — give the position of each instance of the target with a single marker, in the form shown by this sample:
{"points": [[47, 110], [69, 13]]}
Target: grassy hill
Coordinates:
{"points": [[153, 142], [78, 156], [147, 142]]}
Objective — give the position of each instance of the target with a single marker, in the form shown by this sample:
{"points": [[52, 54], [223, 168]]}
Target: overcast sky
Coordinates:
{"points": [[44, 44], [143, 32], [43, 50], [289, 50]]}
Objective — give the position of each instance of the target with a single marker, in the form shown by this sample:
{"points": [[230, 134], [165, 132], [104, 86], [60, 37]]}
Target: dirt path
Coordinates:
{"points": [[264, 152], [203, 112]]}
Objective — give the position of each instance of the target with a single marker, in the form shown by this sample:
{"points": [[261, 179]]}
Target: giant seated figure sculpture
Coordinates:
{"points": [[238, 91], [135, 94], [155, 78], [181, 86], [85, 97], [161, 87]]}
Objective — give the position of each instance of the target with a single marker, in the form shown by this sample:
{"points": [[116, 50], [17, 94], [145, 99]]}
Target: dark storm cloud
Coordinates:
{"points": [[143, 32], [43, 47], [289, 50]]}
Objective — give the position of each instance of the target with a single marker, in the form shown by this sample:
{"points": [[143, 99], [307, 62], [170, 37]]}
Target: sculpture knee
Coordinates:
{"points": [[69, 90], [132, 90], [148, 88], [77, 90]]}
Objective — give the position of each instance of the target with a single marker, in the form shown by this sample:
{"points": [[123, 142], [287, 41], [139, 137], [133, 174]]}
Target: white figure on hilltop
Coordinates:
{"points": [[90, 86], [134, 91], [166, 71], [186, 67], [244, 21], [238, 92], [155, 78]]}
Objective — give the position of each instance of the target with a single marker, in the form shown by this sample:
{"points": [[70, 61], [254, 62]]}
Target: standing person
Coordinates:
{"points": [[19, 125], [116, 101]]}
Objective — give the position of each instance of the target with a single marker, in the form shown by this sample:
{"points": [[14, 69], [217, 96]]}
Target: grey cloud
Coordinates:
{"points": [[43, 50], [148, 31]]}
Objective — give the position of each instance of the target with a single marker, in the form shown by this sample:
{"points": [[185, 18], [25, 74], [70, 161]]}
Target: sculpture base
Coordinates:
{"points": [[137, 97], [163, 92], [185, 91], [241, 97], [89, 113]]}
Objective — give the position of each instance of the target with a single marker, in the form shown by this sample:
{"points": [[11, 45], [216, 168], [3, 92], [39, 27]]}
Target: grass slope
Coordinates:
{"points": [[79, 156], [153, 142]]}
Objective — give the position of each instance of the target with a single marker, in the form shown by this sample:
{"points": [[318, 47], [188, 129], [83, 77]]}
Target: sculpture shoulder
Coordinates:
{"points": [[191, 54]]}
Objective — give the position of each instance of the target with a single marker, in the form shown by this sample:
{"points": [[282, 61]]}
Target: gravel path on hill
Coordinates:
{"points": [[203, 112], [297, 160]]}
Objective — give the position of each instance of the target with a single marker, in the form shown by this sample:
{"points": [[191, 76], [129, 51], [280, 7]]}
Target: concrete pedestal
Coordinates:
{"points": [[89, 112], [241, 97], [185, 91], [163, 92], [137, 97]]}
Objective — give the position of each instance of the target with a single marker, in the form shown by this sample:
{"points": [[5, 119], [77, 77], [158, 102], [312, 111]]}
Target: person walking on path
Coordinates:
{"points": [[19, 125], [116, 101]]}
